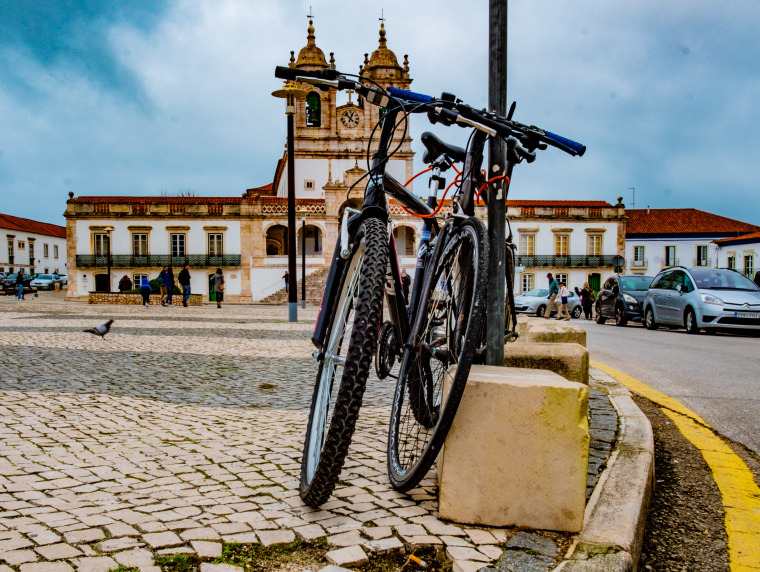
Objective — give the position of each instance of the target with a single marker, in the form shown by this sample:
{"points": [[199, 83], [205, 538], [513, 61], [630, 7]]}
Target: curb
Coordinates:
{"points": [[615, 516]]}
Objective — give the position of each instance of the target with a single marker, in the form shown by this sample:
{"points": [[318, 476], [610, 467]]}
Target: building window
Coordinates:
{"points": [[137, 280], [31, 250], [21, 245], [670, 256], [595, 245], [313, 110], [749, 265], [561, 244], [561, 278], [638, 256], [55, 251], [528, 244], [702, 256], [10, 250], [139, 244], [45, 251], [528, 282], [178, 244], [308, 185], [732, 262], [101, 244], [215, 243]]}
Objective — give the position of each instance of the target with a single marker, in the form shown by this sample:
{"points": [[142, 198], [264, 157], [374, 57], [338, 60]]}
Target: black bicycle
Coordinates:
{"points": [[444, 327]]}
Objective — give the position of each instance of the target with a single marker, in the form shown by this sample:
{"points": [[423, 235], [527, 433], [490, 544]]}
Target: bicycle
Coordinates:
{"points": [[449, 286]]}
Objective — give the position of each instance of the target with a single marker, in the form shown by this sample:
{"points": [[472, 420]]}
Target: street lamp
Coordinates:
{"points": [[289, 92], [303, 257]]}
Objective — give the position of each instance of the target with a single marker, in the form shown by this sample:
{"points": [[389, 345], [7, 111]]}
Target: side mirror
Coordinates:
{"points": [[679, 288]]}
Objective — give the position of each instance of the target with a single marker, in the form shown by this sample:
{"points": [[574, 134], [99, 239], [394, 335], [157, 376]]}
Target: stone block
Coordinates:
{"points": [[555, 332], [568, 360], [349, 556], [517, 451]]}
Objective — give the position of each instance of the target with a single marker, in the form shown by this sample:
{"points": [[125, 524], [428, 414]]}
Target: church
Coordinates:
{"points": [[108, 237]]}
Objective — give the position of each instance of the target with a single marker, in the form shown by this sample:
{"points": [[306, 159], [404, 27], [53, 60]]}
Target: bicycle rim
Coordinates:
{"points": [[427, 393], [342, 375]]}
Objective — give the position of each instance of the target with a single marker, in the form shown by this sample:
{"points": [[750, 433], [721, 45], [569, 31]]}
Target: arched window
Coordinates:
{"points": [[277, 240], [313, 110]]}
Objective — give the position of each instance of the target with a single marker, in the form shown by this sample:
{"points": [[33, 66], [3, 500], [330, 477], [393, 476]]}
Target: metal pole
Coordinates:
{"points": [[497, 154], [292, 279], [303, 262]]}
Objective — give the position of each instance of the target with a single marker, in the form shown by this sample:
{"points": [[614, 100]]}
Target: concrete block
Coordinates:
{"points": [[568, 360], [517, 452], [555, 332]]}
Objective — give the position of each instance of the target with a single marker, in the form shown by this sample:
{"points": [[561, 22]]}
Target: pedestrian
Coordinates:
{"points": [[219, 287], [285, 277], [757, 278], [406, 281], [552, 297], [169, 279], [586, 303], [184, 281], [125, 284], [145, 290], [162, 285], [20, 284], [563, 295]]}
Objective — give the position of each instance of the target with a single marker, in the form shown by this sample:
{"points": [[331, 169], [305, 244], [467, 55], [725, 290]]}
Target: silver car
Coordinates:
{"points": [[46, 281], [536, 300], [702, 298]]}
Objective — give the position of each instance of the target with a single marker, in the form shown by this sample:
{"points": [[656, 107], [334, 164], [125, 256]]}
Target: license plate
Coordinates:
{"points": [[751, 315]]}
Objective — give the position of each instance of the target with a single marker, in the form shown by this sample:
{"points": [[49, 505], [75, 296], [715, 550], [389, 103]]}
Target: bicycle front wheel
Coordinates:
{"points": [[428, 391], [348, 349]]}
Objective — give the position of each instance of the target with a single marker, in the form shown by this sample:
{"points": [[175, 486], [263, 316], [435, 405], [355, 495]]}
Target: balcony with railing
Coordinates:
{"points": [[158, 261], [571, 261], [641, 263], [671, 262]]}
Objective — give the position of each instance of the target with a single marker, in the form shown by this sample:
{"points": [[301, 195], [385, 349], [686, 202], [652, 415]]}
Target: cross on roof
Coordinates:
{"points": [[381, 18]]}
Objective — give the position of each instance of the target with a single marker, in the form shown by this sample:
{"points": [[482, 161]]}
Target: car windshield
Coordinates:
{"points": [[14, 276], [635, 282], [717, 279], [537, 293], [44, 277]]}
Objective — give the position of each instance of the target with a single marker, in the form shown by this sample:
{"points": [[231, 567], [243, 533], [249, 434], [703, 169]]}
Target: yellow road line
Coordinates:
{"points": [[739, 492]]}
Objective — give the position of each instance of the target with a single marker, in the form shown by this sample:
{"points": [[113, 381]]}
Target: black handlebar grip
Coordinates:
{"points": [[284, 72]]}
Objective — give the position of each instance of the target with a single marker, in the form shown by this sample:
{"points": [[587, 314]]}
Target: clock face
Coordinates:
{"points": [[349, 118]]}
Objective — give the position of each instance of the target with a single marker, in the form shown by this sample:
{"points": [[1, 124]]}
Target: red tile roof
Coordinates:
{"points": [[132, 200], [27, 225], [751, 237], [642, 222], [579, 204]]}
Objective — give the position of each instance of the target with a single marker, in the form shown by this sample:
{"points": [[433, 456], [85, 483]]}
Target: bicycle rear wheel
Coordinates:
{"points": [[348, 349], [427, 394]]}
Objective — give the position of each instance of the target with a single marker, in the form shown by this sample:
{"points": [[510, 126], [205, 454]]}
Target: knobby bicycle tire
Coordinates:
{"points": [[350, 344], [451, 329], [387, 348]]}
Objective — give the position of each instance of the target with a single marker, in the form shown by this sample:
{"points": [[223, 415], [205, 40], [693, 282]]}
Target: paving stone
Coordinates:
{"points": [[44, 537], [208, 567], [15, 543], [241, 538], [529, 541], [162, 539], [376, 532], [464, 553], [268, 538], [384, 545], [349, 556], [205, 549], [136, 558], [204, 533], [123, 543], [517, 560], [437, 527], [57, 551], [46, 567], [423, 541], [4, 568], [332, 568], [231, 527], [490, 550], [82, 536], [16, 557], [468, 566], [95, 564], [310, 531], [175, 550], [455, 541], [480, 536]]}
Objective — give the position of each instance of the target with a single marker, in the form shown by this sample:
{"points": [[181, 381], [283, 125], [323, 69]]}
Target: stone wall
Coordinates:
{"points": [[136, 299]]}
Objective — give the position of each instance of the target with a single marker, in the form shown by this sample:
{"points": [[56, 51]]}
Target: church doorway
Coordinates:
{"points": [[101, 283], [277, 240]]}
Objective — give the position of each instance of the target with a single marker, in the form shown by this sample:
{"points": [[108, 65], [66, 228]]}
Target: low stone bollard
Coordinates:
{"points": [[568, 360], [517, 451], [554, 332]]}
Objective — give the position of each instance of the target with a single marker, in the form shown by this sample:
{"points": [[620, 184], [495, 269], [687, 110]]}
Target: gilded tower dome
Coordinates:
{"points": [[383, 65], [310, 56]]}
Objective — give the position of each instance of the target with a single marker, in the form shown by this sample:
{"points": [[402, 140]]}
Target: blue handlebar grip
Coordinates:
{"points": [[409, 95], [576, 148]]}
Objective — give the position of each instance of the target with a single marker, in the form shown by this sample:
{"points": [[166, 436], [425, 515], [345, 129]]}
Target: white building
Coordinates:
{"points": [[659, 238], [36, 247], [741, 253]]}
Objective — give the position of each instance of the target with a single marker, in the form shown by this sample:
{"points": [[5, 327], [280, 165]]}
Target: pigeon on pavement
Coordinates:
{"points": [[100, 330]]}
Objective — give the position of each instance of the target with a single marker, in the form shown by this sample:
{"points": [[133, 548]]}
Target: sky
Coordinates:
{"points": [[150, 97]]}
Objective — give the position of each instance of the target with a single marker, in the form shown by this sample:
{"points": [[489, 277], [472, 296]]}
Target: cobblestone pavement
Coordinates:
{"points": [[182, 429]]}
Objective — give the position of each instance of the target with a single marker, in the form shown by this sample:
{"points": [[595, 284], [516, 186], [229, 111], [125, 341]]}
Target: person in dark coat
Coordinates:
{"points": [[20, 284], [406, 281], [145, 290], [585, 295], [169, 279], [162, 285], [184, 281], [125, 284], [219, 287], [285, 277]]}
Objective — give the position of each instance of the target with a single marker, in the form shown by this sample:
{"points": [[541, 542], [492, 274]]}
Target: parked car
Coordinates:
{"points": [[535, 301], [702, 298], [65, 279], [621, 298], [10, 281], [46, 281]]}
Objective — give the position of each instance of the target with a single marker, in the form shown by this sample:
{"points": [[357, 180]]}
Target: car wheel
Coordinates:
{"points": [[649, 319], [620, 319], [540, 311], [599, 318], [577, 312], [690, 321]]}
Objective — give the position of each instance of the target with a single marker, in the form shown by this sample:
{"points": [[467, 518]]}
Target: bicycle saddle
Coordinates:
{"points": [[434, 148]]}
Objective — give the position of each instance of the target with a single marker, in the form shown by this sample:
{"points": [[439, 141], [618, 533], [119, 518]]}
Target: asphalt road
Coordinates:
{"points": [[717, 376]]}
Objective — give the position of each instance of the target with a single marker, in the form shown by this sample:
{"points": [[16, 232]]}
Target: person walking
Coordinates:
{"points": [[406, 281], [20, 284], [285, 277], [585, 295], [563, 295], [125, 284], [553, 291], [162, 285], [169, 285], [219, 287], [184, 281], [145, 290]]}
